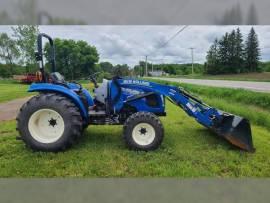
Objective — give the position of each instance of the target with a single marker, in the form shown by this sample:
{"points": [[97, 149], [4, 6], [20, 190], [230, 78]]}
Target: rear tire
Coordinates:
{"points": [[143, 131], [49, 122]]}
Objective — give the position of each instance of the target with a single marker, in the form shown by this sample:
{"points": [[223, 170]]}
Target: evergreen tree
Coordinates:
{"points": [[231, 52], [239, 51], [212, 59], [236, 52], [231, 55], [224, 54], [252, 51]]}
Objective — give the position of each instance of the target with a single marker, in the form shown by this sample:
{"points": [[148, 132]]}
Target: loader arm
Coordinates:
{"points": [[203, 113], [231, 127]]}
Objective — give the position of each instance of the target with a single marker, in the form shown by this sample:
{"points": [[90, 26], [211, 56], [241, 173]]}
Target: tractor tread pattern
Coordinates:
{"points": [[59, 101], [136, 118]]}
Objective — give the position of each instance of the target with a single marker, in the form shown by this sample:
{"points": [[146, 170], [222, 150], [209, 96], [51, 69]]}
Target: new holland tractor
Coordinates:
{"points": [[55, 118]]}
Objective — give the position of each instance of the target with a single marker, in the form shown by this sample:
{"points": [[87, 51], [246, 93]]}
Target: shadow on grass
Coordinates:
{"points": [[216, 141], [107, 137], [110, 137]]}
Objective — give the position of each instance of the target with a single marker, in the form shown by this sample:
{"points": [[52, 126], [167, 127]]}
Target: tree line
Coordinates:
{"points": [[74, 59], [78, 59], [168, 68], [18, 50], [231, 54]]}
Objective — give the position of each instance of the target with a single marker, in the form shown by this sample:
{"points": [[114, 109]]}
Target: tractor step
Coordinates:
{"points": [[96, 113]]}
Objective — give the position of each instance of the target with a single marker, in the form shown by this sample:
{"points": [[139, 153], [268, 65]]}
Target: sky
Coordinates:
{"points": [[130, 44]]}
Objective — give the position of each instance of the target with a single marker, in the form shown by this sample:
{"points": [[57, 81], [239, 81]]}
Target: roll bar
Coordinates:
{"points": [[39, 55]]}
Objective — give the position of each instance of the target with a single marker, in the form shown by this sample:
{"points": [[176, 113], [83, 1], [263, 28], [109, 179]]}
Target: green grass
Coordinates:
{"points": [[10, 90], [8, 81], [188, 150], [258, 99], [256, 77], [252, 105], [242, 96], [256, 115]]}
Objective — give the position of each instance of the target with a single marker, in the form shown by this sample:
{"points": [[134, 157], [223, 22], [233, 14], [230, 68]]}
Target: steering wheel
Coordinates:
{"points": [[93, 78]]}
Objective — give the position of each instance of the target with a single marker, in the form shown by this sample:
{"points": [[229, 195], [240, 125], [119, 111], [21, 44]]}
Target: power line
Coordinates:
{"points": [[172, 37], [146, 56], [163, 45]]}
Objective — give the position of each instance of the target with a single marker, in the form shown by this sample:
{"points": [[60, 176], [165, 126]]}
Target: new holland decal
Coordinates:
{"points": [[136, 82]]}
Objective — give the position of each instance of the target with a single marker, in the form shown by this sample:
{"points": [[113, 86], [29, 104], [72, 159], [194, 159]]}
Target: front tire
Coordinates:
{"points": [[143, 131], [49, 122]]}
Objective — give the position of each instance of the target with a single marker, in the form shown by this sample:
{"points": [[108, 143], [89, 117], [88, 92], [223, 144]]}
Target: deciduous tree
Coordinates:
{"points": [[8, 50], [26, 38], [74, 59]]}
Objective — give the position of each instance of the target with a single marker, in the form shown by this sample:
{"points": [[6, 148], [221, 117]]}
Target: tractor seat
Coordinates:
{"points": [[57, 78]]}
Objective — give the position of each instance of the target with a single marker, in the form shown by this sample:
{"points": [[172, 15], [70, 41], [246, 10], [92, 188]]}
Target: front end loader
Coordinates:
{"points": [[55, 119]]}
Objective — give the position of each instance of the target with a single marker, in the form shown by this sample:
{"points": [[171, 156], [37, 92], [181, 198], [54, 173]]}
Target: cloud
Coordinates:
{"points": [[130, 44], [113, 44]]}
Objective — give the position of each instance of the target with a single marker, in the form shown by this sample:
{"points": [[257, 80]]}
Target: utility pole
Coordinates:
{"points": [[192, 59], [146, 71], [152, 67]]}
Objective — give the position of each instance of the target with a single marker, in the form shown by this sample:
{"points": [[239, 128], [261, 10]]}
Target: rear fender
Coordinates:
{"points": [[45, 87]]}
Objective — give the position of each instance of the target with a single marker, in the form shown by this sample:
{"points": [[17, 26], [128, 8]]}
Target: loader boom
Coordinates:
{"points": [[233, 128], [203, 113]]}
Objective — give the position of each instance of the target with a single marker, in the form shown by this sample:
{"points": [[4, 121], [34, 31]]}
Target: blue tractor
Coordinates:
{"points": [[55, 119]]}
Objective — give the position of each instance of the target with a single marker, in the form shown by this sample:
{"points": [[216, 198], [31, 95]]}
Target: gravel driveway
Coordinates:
{"points": [[9, 110]]}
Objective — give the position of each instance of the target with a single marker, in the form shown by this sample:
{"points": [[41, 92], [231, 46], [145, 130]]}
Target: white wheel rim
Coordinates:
{"points": [[46, 126], [143, 134]]}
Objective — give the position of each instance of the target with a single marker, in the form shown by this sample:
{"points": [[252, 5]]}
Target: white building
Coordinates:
{"points": [[157, 73]]}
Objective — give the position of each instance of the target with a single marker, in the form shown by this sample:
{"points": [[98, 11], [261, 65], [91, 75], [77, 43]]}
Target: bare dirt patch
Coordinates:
{"points": [[9, 110]]}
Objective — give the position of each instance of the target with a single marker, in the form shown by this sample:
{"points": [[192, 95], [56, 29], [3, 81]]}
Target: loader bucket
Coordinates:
{"points": [[236, 130]]}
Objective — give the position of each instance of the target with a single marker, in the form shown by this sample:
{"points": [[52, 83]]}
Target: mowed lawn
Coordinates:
{"points": [[10, 90], [188, 150]]}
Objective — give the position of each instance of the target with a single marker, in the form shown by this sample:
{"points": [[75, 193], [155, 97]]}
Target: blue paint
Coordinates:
{"points": [[201, 112], [121, 92], [69, 92]]}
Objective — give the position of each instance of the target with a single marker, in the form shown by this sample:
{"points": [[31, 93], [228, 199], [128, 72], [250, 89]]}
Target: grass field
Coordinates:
{"points": [[11, 90], [253, 105], [188, 150], [260, 77]]}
